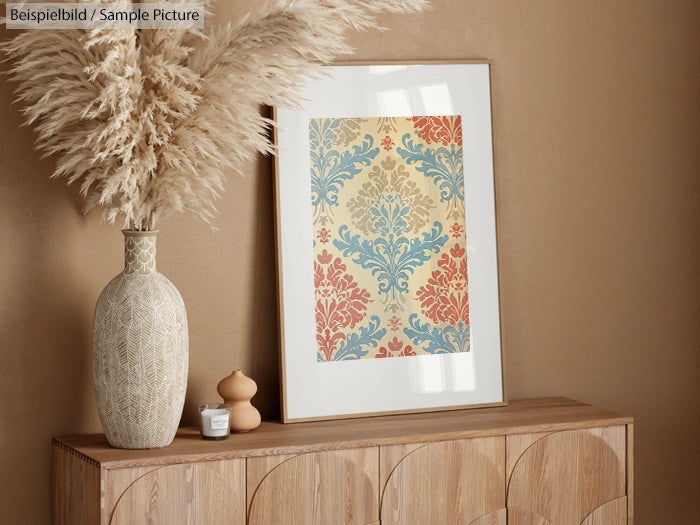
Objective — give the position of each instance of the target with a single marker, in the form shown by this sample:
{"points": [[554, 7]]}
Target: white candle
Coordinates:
{"points": [[215, 421]]}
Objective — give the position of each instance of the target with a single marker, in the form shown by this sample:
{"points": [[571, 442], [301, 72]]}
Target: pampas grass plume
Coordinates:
{"points": [[151, 122]]}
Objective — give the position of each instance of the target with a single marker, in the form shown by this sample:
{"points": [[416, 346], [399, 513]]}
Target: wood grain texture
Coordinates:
{"points": [[552, 461], [184, 494], [611, 513], [116, 482], [518, 516], [390, 457], [258, 468], [318, 488], [499, 517], [524, 416], [563, 477], [630, 474], [516, 444], [451, 483], [76, 487]]}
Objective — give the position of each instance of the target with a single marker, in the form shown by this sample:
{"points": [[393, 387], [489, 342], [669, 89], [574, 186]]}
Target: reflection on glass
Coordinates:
{"points": [[445, 373], [383, 70], [433, 99], [462, 374], [432, 375], [394, 102], [436, 99]]}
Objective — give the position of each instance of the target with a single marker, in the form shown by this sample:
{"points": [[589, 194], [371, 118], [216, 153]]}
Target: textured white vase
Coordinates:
{"points": [[140, 351]]}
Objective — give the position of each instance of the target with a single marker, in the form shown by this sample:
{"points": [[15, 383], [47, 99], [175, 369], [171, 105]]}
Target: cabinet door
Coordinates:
{"points": [[187, 494], [459, 482], [320, 488], [573, 477]]}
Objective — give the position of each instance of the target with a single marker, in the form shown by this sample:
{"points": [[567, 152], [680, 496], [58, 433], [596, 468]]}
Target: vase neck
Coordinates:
{"points": [[139, 252]]}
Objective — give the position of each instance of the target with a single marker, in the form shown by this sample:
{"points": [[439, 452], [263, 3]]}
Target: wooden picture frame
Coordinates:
{"points": [[386, 238]]}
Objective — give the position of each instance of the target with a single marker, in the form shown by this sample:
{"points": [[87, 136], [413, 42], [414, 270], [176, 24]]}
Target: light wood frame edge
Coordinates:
{"points": [[630, 474], [280, 288]]}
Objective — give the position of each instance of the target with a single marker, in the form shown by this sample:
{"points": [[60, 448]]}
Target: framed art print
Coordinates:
{"points": [[386, 233]]}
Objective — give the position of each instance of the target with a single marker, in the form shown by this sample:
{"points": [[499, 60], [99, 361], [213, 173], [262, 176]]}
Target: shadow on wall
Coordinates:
{"points": [[264, 328], [249, 292]]}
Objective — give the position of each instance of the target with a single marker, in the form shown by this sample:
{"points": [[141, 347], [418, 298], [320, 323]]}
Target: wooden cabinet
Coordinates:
{"points": [[569, 477], [315, 487], [535, 462], [458, 481]]}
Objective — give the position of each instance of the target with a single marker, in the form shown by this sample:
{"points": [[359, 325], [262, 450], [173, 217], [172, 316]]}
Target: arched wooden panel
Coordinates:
{"points": [[525, 517], [392, 456], [446, 483], [493, 518], [498, 517], [259, 467], [516, 445], [316, 489], [566, 475], [181, 495], [612, 513]]}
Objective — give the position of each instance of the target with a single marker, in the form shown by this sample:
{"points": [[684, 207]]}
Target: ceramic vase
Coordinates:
{"points": [[237, 390], [140, 351]]}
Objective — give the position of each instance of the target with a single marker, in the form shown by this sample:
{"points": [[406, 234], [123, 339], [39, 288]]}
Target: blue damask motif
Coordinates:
{"points": [[391, 258], [446, 168], [330, 168], [353, 346], [390, 214], [445, 340]]}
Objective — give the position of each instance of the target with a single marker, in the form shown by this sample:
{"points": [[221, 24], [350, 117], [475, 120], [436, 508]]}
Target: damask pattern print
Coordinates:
{"points": [[395, 348], [331, 166], [444, 300], [340, 305], [443, 163], [390, 265], [442, 130]]}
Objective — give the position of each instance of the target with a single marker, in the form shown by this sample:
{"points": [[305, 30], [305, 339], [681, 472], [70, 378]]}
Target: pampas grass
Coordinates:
{"points": [[151, 122]]}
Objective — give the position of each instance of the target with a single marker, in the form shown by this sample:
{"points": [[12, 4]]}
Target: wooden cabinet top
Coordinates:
{"points": [[273, 437]]}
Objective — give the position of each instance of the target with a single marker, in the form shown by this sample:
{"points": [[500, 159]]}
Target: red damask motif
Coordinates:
{"points": [[445, 297], [396, 349], [324, 235], [340, 302], [457, 230], [387, 143], [440, 130], [395, 324]]}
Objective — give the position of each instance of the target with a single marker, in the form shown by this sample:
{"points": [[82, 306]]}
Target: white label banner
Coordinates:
{"points": [[184, 15]]}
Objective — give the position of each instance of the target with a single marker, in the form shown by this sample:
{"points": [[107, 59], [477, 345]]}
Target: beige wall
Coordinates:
{"points": [[597, 137]]}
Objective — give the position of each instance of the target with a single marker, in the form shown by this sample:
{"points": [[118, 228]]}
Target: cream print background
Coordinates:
{"points": [[390, 268]]}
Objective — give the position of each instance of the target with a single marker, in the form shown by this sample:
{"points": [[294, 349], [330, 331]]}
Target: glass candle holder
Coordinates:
{"points": [[215, 420]]}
